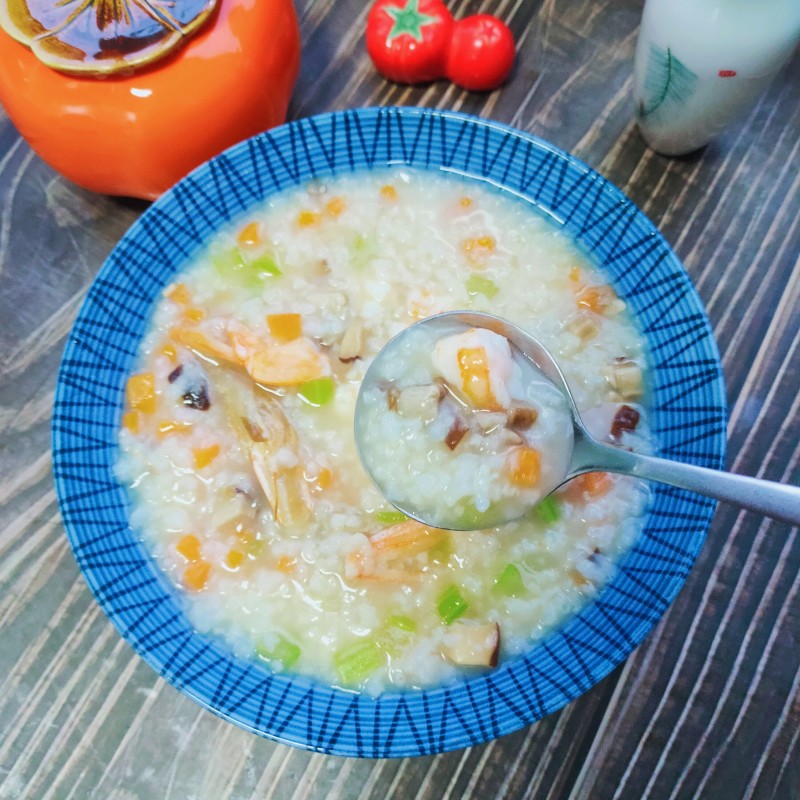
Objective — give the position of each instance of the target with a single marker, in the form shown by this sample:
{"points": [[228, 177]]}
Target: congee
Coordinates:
{"points": [[238, 449]]}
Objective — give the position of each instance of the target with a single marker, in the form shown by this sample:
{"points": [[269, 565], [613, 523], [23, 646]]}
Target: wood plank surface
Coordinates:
{"points": [[707, 707]]}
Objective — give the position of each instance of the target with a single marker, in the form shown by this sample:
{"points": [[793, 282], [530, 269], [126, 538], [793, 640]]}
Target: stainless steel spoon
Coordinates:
{"points": [[588, 455]]}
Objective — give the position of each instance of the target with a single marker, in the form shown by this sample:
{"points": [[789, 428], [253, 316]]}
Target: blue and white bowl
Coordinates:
{"points": [[688, 420]]}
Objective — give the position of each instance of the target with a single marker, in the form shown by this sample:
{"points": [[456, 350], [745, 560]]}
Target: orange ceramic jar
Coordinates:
{"points": [[137, 134]]}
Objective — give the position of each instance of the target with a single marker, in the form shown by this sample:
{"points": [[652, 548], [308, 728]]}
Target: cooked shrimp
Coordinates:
{"points": [[274, 455], [267, 360], [374, 561]]}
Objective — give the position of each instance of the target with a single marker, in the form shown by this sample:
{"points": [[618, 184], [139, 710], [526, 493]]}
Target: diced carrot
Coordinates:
{"points": [[285, 327], [526, 468], [169, 427], [234, 559], [465, 201], [325, 478], [286, 565], [589, 486], [473, 364], [194, 314], [179, 293], [578, 578], [388, 192], [132, 421], [203, 456], [481, 243], [422, 305], [307, 219], [596, 298], [250, 235], [189, 547], [335, 206], [478, 250], [169, 351], [141, 392], [196, 575], [597, 483]]}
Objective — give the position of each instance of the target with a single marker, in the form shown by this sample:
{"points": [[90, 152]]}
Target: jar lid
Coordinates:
{"points": [[102, 37]]}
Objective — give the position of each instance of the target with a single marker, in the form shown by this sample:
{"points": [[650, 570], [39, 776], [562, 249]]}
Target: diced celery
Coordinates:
{"points": [[442, 550], [358, 660], [390, 517], [317, 392], [547, 510], [229, 263], [451, 605], [471, 519], [265, 264], [402, 622], [479, 284], [509, 582], [234, 265], [396, 633], [363, 251], [285, 651]]}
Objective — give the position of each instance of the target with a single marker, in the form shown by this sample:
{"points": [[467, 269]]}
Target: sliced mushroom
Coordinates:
{"points": [[419, 401], [350, 348], [626, 419], [625, 377], [321, 267], [521, 418], [470, 644], [584, 326], [488, 421], [175, 374], [192, 383], [502, 438], [458, 430], [233, 510]]}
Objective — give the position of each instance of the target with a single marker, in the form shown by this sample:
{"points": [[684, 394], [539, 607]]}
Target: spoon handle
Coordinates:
{"points": [[775, 500]]}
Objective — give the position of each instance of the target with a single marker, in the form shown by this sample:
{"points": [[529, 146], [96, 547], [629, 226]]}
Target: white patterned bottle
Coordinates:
{"points": [[701, 63]]}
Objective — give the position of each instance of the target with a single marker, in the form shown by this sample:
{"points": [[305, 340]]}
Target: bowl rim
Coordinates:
{"points": [[395, 724]]}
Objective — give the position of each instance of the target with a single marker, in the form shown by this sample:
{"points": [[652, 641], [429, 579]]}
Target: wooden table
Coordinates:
{"points": [[708, 706]]}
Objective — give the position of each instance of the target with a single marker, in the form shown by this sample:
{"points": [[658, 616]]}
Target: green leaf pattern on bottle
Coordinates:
{"points": [[667, 82]]}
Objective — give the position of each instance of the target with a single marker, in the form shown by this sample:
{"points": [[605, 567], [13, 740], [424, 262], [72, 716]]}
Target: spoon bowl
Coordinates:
{"points": [[525, 346], [584, 452]]}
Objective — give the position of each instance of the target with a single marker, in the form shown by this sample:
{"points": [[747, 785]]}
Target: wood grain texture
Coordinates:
{"points": [[707, 707]]}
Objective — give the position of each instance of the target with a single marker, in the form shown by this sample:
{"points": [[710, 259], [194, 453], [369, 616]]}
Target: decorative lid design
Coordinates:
{"points": [[102, 37]]}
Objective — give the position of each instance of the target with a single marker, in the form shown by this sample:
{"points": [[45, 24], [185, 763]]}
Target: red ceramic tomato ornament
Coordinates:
{"points": [[416, 41], [481, 53], [407, 39]]}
